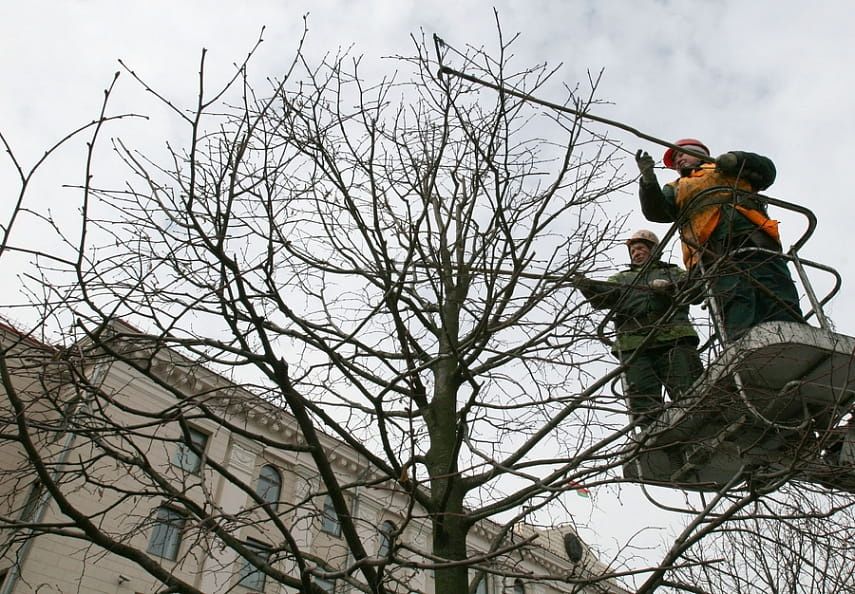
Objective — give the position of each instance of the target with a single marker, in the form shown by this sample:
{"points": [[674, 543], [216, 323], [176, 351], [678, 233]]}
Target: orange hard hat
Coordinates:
{"points": [[668, 158]]}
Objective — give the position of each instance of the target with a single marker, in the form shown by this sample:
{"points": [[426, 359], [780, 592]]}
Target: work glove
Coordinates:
{"points": [[645, 166], [727, 164], [660, 285], [578, 279]]}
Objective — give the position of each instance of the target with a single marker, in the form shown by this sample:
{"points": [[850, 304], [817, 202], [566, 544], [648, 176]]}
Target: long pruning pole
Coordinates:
{"points": [[445, 70]]}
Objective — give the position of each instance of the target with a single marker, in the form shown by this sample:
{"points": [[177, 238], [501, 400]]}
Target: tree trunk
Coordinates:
{"points": [[449, 542], [448, 490]]}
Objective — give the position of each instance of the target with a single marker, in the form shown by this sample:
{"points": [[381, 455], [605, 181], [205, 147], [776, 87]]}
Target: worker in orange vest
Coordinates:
{"points": [[750, 286]]}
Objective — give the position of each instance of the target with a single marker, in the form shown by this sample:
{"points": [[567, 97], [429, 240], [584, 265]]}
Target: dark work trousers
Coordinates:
{"points": [[754, 287], [674, 365]]}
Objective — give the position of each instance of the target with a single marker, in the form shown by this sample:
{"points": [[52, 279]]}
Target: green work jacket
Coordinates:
{"points": [[638, 309]]}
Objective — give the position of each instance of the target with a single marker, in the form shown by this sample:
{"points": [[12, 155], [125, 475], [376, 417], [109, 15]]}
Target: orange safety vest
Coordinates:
{"points": [[703, 219]]}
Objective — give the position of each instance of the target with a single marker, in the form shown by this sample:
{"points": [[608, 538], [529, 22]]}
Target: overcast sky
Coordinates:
{"points": [[773, 77]]}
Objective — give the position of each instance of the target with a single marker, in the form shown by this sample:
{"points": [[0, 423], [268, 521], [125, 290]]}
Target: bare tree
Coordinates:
{"points": [[790, 542], [392, 261], [389, 265]]}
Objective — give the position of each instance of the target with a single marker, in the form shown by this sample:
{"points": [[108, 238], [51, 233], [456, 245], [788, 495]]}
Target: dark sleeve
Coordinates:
{"points": [[657, 204], [600, 294], [690, 289], [758, 170]]}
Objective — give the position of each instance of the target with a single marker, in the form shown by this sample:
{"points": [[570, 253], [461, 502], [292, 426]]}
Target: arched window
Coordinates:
{"points": [[269, 485], [519, 587], [387, 533]]}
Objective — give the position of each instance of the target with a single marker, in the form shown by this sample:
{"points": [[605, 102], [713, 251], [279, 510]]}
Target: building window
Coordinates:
{"points": [[269, 485], [573, 547], [519, 587], [387, 533], [250, 576], [330, 523], [325, 585], [481, 588], [166, 536], [187, 459], [31, 505]]}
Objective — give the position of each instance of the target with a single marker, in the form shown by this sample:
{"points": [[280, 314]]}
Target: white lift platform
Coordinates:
{"points": [[771, 405]]}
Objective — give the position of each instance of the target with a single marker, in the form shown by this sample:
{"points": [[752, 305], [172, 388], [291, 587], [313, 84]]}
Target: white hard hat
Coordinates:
{"points": [[643, 235]]}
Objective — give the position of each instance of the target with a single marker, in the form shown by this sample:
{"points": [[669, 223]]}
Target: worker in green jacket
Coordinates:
{"points": [[724, 226], [655, 336]]}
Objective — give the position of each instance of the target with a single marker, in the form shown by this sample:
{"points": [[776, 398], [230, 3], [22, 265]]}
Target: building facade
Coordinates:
{"points": [[174, 477]]}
